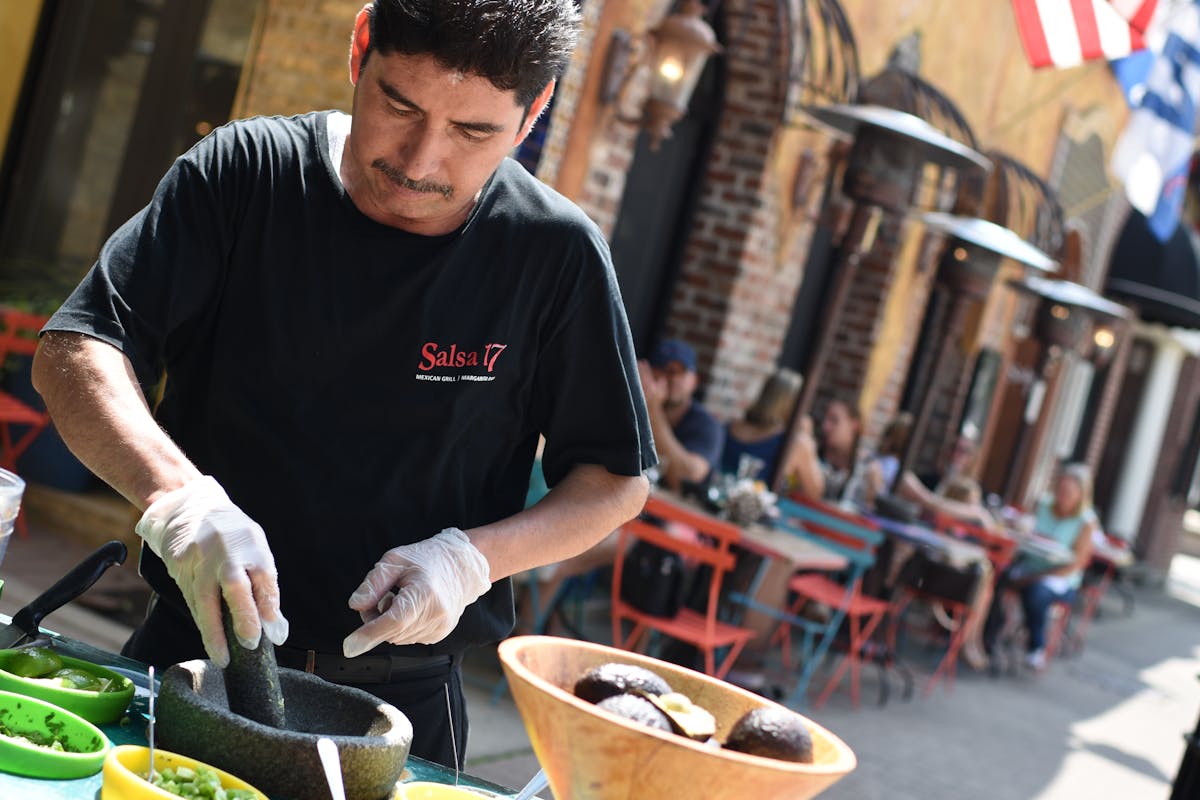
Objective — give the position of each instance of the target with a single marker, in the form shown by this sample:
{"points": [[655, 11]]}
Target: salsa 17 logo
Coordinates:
{"points": [[454, 363]]}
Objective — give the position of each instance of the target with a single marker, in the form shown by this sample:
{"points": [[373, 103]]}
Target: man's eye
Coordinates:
{"points": [[472, 135]]}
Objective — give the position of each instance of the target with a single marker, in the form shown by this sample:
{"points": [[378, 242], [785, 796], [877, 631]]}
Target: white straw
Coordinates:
{"points": [[453, 740], [150, 775]]}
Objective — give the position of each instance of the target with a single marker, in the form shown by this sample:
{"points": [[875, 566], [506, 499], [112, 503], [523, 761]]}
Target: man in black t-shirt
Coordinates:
{"points": [[689, 439], [365, 323]]}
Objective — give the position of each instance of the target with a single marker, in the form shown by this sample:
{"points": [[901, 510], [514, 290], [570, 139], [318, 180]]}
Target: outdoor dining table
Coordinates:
{"points": [[131, 729], [953, 551], [774, 543], [1053, 551]]}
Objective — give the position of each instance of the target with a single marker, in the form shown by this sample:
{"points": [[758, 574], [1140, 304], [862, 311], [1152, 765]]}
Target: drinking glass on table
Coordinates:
{"points": [[749, 467], [11, 489]]}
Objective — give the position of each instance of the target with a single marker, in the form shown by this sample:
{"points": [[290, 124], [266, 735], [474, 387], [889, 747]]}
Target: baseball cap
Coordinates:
{"points": [[673, 350]]}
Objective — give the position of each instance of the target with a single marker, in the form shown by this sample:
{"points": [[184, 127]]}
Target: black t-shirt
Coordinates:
{"points": [[355, 387]]}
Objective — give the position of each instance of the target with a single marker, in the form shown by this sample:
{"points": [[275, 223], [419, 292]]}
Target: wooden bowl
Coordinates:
{"points": [[590, 754]]}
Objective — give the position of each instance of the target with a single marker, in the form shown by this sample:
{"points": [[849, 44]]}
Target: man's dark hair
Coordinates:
{"points": [[518, 45]]}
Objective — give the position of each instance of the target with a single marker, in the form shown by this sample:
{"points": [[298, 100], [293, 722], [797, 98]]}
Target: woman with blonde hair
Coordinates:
{"points": [[1065, 515], [761, 430]]}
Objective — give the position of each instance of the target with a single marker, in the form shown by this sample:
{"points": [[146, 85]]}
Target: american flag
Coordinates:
{"points": [[1066, 33]]}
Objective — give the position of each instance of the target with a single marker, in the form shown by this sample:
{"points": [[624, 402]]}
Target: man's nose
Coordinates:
{"points": [[422, 154]]}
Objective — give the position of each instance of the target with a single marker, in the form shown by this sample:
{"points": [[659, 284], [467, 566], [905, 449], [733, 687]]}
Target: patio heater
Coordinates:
{"points": [[973, 254], [1063, 321], [883, 172]]}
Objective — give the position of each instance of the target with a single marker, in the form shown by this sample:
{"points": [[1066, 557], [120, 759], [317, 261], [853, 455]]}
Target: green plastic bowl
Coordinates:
{"points": [[22, 714], [100, 708]]}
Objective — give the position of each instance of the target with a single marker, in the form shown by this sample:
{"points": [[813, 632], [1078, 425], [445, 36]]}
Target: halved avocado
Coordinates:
{"points": [[638, 709]]}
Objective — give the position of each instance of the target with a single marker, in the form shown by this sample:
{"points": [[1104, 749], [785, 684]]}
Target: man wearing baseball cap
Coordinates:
{"points": [[688, 438]]}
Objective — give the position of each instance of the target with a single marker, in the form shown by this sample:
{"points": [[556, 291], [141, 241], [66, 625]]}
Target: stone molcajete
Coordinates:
{"points": [[193, 717]]}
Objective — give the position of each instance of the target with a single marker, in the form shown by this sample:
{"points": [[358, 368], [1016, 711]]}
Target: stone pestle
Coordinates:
{"points": [[252, 678]]}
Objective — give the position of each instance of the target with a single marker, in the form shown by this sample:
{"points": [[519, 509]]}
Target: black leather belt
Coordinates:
{"points": [[363, 669]]}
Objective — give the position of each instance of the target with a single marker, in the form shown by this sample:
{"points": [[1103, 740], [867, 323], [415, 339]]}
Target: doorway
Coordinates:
{"points": [[662, 189], [114, 91]]}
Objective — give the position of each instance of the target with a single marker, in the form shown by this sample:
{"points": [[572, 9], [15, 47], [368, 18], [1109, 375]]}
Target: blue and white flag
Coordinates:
{"points": [[1154, 153]]}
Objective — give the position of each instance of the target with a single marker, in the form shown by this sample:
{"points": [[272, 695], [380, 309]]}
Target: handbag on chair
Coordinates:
{"points": [[653, 580], [931, 577]]}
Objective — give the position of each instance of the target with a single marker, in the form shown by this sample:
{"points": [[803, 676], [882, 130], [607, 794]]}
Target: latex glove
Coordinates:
{"points": [[433, 581], [212, 549]]}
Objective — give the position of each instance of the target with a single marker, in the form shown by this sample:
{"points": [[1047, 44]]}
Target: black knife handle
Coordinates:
{"points": [[70, 586]]}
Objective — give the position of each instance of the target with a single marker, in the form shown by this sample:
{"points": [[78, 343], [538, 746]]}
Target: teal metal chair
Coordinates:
{"points": [[857, 540]]}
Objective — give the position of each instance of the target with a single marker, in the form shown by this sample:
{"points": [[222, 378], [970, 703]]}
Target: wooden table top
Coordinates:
{"points": [[766, 539]]}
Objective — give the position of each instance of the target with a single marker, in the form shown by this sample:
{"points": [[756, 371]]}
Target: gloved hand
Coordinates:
{"points": [[212, 549], [433, 580]]}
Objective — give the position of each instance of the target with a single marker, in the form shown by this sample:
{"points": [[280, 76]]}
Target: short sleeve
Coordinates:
{"points": [[155, 274], [588, 396]]}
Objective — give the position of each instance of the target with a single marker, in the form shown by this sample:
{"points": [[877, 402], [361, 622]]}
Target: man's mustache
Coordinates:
{"points": [[400, 179]]}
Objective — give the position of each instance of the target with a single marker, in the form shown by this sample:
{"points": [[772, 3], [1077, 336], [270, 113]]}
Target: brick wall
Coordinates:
{"points": [[301, 61], [743, 261]]}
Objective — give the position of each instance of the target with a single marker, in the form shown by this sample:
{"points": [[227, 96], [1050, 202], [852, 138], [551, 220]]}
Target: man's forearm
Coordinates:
{"points": [[677, 463], [98, 408], [587, 505]]}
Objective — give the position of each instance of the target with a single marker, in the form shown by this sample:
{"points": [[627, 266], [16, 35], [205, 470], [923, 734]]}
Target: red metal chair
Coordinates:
{"points": [[858, 539], [704, 541], [1001, 549], [18, 336], [959, 612], [1068, 630]]}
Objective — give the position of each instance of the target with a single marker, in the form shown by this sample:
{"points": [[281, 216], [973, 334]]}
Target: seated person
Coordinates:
{"points": [[761, 430], [966, 491], [688, 439], [934, 500], [832, 468], [1067, 517], [890, 451]]}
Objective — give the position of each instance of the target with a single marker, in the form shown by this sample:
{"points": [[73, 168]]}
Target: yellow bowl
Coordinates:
{"points": [[126, 764], [590, 754], [422, 790], [100, 708]]}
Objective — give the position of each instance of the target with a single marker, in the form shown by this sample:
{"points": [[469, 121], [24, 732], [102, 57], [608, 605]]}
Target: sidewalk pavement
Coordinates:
{"points": [[1106, 723]]}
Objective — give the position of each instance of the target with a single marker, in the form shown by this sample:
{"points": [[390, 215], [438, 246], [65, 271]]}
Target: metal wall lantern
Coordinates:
{"points": [[676, 51], [890, 150]]}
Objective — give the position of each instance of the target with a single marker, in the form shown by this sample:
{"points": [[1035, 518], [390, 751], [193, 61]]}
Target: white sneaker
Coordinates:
{"points": [[1036, 659]]}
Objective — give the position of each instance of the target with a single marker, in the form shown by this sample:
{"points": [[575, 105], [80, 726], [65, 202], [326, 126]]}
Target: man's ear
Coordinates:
{"points": [[535, 110], [359, 42]]}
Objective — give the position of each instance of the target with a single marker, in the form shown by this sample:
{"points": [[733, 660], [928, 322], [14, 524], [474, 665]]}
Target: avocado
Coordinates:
{"points": [[687, 718], [609, 680], [637, 709], [772, 732], [34, 662]]}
